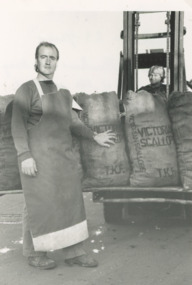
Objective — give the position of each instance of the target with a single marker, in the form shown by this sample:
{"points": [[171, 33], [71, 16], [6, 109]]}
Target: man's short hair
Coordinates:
{"points": [[46, 44], [160, 69]]}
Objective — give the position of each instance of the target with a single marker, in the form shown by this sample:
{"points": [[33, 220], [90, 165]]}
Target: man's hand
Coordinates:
{"points": [[28, 167], [106, 138]]}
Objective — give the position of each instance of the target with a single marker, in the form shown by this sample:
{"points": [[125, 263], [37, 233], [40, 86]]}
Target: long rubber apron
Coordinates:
{"points": [[53, 197]]}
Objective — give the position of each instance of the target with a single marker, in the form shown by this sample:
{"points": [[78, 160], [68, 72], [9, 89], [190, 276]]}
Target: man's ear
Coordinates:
{"points": [[35, 65]]}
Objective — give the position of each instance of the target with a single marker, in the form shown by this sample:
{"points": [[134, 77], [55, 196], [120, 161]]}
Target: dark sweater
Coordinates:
{"points": [[27, 111], [161, 90]]}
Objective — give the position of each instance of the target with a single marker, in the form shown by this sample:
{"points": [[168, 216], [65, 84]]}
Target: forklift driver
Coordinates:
{"points": [[156, 76]]}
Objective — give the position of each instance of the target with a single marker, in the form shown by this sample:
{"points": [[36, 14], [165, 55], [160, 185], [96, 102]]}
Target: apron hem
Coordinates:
{"points": [[61, 239]]}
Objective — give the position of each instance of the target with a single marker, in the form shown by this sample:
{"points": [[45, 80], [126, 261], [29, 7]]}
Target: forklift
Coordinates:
{"points": [[117, 200]]}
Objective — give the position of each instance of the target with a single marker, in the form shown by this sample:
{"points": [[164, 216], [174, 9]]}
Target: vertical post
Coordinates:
{"points": [[184, 74], [167, 54], [128, 51], [177, 53], [174, 50], [137, 24], [180, 52], [120, 79]]}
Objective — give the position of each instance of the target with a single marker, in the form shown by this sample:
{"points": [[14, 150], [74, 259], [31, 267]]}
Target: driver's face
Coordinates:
{"points": [[154, 77]]}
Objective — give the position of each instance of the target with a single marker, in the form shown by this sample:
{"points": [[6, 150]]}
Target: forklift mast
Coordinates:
{"points": [[172, 59]]}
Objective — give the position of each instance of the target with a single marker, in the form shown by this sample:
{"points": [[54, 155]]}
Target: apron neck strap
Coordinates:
{"points": [[40, 90]]}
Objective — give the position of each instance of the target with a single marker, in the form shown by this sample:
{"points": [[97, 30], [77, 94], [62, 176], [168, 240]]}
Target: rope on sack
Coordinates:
{"points": [[167, 22], [137, 24]]}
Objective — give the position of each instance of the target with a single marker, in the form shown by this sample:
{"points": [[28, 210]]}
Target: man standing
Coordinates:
{"points": [[42, 122]]}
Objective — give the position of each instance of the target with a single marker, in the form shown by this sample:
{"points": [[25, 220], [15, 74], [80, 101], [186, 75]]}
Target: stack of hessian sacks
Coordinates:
{"points": [[180, 110], [150, 141], [9, 172], [152, 144], [103, 166]]}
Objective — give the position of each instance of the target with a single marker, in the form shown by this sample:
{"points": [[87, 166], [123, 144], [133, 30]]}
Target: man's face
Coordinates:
{"points": [[47, 61], [155, 77]]}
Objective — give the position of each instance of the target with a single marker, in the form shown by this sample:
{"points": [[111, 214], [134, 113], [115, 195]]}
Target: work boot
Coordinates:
{"points": [[83, 260], [41, 262]]}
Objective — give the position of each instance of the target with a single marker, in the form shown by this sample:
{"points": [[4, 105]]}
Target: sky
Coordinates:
{"points": [[89, 45], [87, 36]]}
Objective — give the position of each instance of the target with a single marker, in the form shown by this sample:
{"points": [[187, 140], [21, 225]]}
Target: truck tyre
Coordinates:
{"points": [[112, 212]]}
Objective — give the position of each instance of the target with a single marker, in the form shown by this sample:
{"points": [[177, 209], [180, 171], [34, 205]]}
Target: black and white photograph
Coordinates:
{"points": [[95, 142]]}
